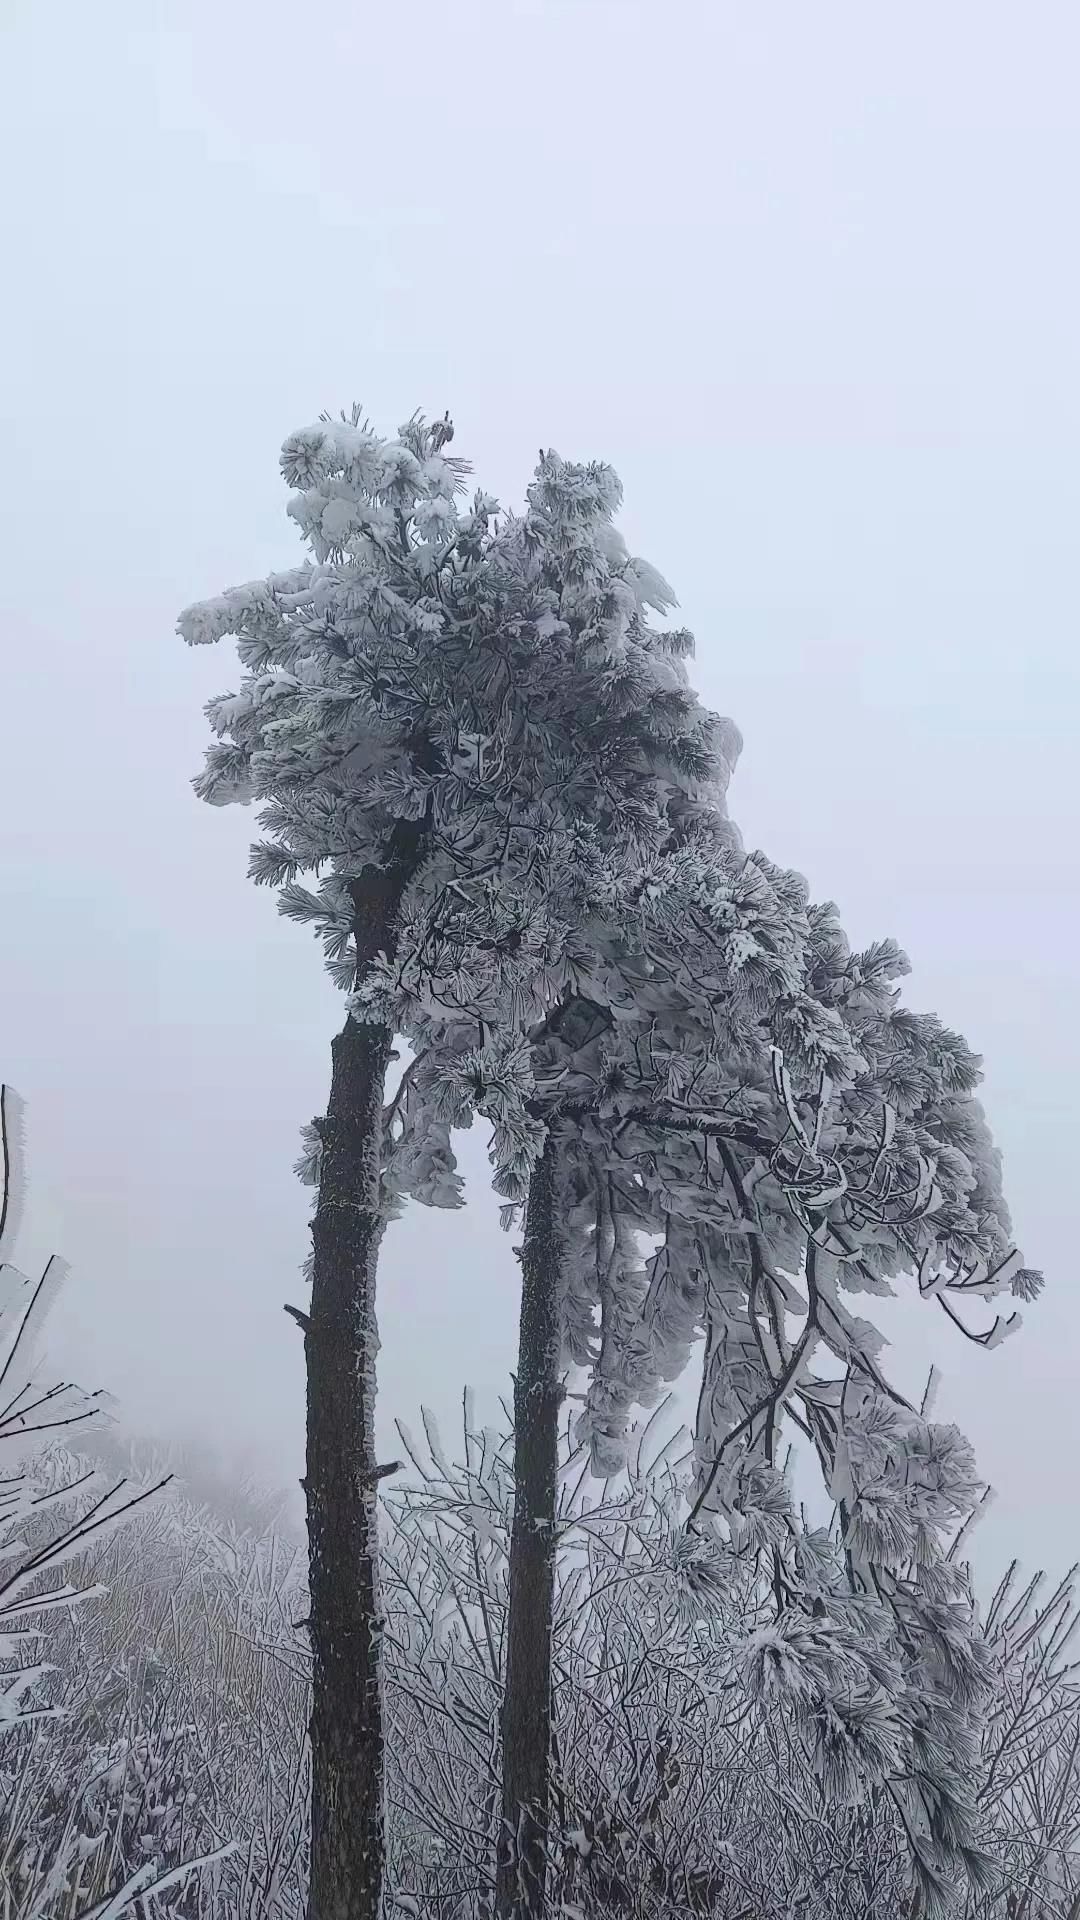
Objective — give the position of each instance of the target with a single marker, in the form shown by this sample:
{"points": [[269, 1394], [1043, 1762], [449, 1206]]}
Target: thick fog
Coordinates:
{"points": [[807, 278]]}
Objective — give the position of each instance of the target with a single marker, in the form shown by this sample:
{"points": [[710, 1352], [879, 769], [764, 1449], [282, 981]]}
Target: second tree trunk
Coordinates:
{"points": [[526, 1714]]}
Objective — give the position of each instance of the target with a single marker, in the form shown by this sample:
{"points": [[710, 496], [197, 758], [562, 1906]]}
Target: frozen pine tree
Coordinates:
{"points": [[738, 1087], [704, 1089], [464, 726]]}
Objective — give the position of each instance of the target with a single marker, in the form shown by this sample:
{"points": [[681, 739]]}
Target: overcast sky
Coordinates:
{"points": [[807, 276]]}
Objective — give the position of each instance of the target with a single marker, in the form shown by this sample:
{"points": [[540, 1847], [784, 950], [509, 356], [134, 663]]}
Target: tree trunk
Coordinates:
{"points": [[526, 1714], [341, 1343]]}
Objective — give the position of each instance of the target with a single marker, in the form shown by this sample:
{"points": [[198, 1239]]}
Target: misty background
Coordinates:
{"points": [[808, 278]]}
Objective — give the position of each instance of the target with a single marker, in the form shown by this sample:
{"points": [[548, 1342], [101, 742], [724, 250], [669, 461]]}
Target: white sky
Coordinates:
{"points": [[807, 276]]}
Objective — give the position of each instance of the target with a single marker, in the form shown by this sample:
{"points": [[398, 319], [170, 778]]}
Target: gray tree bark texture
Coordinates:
{"points": [[341, 1343], [526, 1715]]}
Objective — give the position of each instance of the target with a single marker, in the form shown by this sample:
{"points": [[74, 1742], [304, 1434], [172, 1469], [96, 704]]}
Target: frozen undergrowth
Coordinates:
{"points": [[184, 1696]]}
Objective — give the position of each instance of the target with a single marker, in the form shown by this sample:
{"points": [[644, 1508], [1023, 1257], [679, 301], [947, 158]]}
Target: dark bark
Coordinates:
{"points": [[340, 1344], [526, 1714]]}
